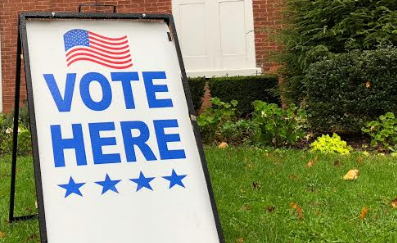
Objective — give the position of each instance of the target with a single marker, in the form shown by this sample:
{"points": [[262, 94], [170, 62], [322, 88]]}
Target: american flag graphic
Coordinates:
{"points": [[83, 45]]}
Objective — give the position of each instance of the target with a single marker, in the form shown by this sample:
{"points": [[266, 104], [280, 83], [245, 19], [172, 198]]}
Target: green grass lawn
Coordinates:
{"points": [[255, 189]]}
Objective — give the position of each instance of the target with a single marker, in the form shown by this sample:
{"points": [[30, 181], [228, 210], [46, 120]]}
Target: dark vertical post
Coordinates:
{"points": [[15, 130]]}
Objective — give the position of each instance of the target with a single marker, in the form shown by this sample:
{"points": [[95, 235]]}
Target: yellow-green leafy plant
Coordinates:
{"points": [[333, 145]]}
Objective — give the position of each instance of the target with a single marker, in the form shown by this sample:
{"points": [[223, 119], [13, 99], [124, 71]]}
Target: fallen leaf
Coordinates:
{"points": [[246, 207], [223, 145], [351, 175], [363, 213], [360, 160], [394, 203], [298, 210], [270, 208], [2, 235], [32, 237], [310, 163], [255, 185], [338, 162], [293, 177], [368, 84], [240, 240]]}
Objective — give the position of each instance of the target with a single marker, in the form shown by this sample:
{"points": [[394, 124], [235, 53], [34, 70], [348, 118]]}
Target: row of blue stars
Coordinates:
{"points": [[110, 185]]}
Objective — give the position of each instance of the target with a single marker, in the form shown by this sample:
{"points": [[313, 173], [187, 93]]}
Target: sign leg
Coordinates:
{"points": [[11, 217]]}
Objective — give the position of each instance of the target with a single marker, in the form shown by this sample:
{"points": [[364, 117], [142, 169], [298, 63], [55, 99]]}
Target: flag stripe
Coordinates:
{"points": [[100, 58], [110, 52], [108, 47], [108, 43], [101, 63], [83, 51], [97, 49], [107, 38]]}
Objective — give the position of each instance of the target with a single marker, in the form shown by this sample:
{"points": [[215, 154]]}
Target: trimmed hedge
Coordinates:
{"points": [[314, 29], [347, 90], [196, 86], [245, 89]]}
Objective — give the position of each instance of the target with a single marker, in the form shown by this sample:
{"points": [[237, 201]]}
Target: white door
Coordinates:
{"points": [[216, 36]]}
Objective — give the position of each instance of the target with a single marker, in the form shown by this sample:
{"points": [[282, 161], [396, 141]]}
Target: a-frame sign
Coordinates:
{"points": [[116, 148]]}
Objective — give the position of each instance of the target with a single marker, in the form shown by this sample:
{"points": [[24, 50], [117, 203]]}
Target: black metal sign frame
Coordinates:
{"points": [[22, 45]]}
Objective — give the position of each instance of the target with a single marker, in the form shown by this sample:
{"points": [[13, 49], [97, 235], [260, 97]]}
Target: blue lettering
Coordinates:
{"points": [[152, 89], [59, 144], [139, 141], [97, 142], [125, 78], [63, 104], [85, 91], [163, 139]]}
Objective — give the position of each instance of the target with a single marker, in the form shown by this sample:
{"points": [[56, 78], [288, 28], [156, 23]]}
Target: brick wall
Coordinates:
{"points": [[9, 10], [267, 15], [267, 20]]}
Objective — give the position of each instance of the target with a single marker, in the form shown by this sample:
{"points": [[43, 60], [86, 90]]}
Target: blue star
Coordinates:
{"points": [[108, 184], [72, 187], [175, 179], [143, 181]]}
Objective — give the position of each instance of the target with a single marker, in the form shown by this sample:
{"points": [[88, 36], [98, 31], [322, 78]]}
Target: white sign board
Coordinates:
{"points": [[118, 157]]}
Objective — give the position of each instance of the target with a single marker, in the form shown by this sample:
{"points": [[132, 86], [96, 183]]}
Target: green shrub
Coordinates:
{"points": [[319, 28], [276, 126], [383, 131], [196, 86], [334, 144], [212, 119], [236, 132], [220, 124], [347, 90], [24, 135], [245, 90], [24, 141]]}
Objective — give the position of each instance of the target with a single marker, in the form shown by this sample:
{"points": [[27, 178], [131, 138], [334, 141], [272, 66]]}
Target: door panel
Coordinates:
{"points": [[191, 18], [233, 34]]}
